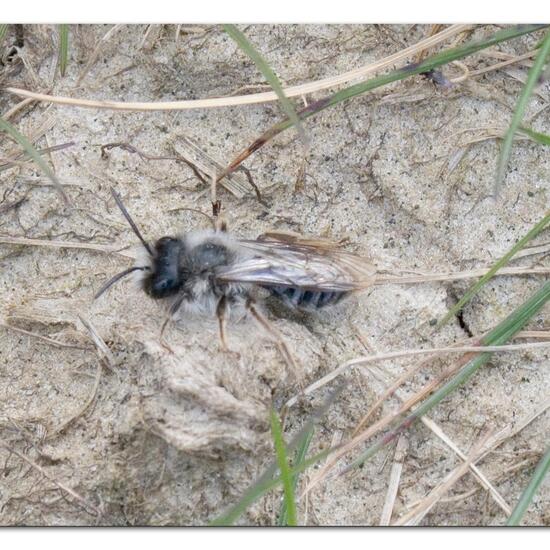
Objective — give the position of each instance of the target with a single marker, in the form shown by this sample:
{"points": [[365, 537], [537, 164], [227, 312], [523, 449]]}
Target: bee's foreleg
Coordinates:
{"points": [[268, 327], [171, 312], [221, 313]]}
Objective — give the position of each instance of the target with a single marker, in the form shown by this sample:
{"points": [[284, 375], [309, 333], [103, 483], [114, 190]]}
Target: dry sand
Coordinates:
{"points": [[153, 438]]}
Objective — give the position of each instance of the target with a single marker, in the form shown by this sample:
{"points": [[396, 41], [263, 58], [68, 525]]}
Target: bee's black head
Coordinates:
{"points": [[165, 278]]}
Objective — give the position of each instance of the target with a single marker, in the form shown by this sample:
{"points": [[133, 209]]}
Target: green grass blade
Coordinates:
{"points": [[428, 64], [269, 75], [498, 336], [532, 79], [543, 139], [299, 458], [33, 154], [261, 488], [284, 468], [500, 263], [3, 30], [63, 55], [266, 481], [527, 496]]}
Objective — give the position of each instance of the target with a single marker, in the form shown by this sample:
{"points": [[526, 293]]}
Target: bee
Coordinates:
{"points": [[211, 272]]}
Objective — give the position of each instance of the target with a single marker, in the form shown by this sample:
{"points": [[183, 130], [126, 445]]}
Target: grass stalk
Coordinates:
{"points": [[543, 139], [428, 64], [63, 55], [474, 289], [3, 31], [299, 458], [532, 80], [269, 75], [498, 336], [33, 154], [267, 481], [527, 496], [284, 468]]}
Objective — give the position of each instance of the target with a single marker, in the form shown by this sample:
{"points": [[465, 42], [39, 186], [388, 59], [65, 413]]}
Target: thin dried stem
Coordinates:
{"points": [[438, 432], [415, 516], [106, 248], [382, 279], [17, 107], [43, 338], [102, 348], [407, 375], [478, 474], [96, 52], [83, 502], [84, 407], [395, 477], [408, 353], [292, 91]]}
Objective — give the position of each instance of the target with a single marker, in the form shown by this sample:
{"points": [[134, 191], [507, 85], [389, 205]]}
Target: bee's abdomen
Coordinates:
{"points": [[306, 299]]}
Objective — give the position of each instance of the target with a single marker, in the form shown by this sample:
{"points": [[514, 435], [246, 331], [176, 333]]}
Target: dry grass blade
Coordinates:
{"points": [[407, 375], [502, 64], [328, 464], [431, 425], [435, 391], [50, 341], [105, 248], [102, 348], [438, 60], [193, 154], [506, 433], [106, 357], [85, 406], [410, 353], [33, 134], [515, 427], [385, 278], [101, 44], [478, 474], [438, 432], [293, 91], [414, 517], [395, 477], [16, 108], [502, 333], [8, 163], [87, 506], [542, 248]]}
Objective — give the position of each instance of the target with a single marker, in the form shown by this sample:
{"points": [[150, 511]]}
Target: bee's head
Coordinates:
{"points": [[165, 276]]}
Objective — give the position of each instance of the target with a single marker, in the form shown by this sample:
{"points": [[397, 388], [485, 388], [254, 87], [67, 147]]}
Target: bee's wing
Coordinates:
{"points": [[310, 264]]}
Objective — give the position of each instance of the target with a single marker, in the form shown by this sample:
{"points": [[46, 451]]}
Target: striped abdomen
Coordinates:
{"points": [[306, 299]]}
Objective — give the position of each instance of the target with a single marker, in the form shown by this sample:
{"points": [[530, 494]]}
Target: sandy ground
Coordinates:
{"points": [[152, 438]]}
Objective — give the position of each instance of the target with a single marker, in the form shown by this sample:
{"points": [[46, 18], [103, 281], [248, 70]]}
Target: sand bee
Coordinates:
{"points": [[210, 272]]}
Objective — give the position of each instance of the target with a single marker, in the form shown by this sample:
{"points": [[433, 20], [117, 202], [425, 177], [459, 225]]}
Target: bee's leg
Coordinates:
{"points": [[221, 313], [171, 312], [276, 335], [219, 223]]}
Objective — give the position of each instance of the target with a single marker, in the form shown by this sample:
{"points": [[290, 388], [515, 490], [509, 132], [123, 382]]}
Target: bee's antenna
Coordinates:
{"points": [[117, 278], [125, 213]]}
